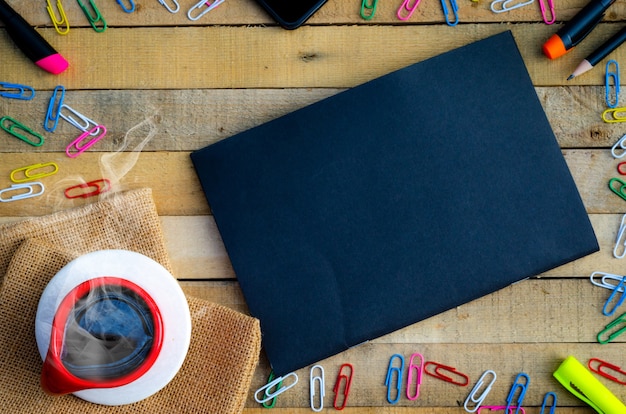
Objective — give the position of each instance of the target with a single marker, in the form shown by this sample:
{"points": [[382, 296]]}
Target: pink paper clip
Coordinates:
{"points": [[437, 373], [406, 10], [498, 408], [100, 186], [99, 131], [603, 364], [544, 11], [346, 390], [419, 370]]}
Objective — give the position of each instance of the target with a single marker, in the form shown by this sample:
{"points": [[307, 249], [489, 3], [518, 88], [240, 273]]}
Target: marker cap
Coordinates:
{"points": [[54, 64], [554, 47]]}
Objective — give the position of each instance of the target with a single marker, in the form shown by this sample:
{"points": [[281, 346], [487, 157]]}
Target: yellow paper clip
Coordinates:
{"points": [[613, 115], [580, 382], [27, 174], [62, 26], [21, 131]]}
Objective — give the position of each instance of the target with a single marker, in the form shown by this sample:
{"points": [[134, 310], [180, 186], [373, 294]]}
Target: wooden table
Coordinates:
{"points": [[164, 86]]}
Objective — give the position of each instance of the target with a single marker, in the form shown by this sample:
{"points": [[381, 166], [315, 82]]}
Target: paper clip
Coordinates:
{"points": [[317, 381], [544, 11], [613, 75], [347, 380], [267, 389], [496, 408], [209, 6], [620, 300], [437, 373], [94, 18], [478, 400], [613, 115], [16, 187], [619, 250], [501, 6], [16, 91], [620, 144], [446, 12], [83, 123], [610, 327], [28, 175], [77, 143], [58, 23], [597, 368], [544, 405], [621, 191], [621, 168], [99, 186], [419, 371], [170, 9], [517, 384], [270, 378], [603, 281], [406, 9], [53, 114], [389, 380], [130, 8], [368, 9], [15, 128]]}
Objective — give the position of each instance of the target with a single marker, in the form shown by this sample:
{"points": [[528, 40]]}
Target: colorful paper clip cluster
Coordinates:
{"points": [[617, 285], [548, 13]]}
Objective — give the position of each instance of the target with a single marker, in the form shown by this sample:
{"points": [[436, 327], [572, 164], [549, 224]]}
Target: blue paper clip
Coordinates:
{"points": [[406, 9], [389, 380], [618, 289], [19, 130], [203, 3], [170, 9], [522, 387], [94, 18], [30, 187], [16, 91], [446, 12], [317, 381], [611, 75], [368, 9], [472, 398], [612, 333], [545, 403], [130, 8], [53, 114]]}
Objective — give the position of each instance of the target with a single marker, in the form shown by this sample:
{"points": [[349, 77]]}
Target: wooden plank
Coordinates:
{"points": [[270, 57], [186, 120]]}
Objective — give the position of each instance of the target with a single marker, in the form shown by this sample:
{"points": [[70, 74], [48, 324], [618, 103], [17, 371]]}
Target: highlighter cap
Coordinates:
{"points": [[554, 47]]}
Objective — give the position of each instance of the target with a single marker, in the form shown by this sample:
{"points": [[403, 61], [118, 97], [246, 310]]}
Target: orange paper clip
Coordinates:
{"points": [[99, 186], [346, 388], [438, 372], [597, 368], [419, 370]]}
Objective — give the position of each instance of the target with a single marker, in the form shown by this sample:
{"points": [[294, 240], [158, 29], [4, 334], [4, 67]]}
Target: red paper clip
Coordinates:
{"points": [[346, 390], [603, 364], [101, 186], [621, 168], [438, 374], [419, 370]]}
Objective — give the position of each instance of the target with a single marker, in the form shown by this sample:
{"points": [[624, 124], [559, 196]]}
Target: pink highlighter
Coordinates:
{"points": [[31, 42]]}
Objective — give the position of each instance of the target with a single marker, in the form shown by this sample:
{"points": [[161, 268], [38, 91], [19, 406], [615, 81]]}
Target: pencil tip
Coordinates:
{"points": [[570, 77]]}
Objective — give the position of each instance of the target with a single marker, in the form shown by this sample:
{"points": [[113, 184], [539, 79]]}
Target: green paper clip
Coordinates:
{"points": [[580, 382], [368, 9], [621, 191], [21, 131], [611, 327], [95, 17]]}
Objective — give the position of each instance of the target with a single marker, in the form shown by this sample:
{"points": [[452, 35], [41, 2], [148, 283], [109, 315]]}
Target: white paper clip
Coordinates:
{"points": [[604, 277], [317, 382], [85, 124], [472, 398], [30, 187], [619, 251], [170, 9], [620, 145], [501, 6], [202, 3], [267, 388]]}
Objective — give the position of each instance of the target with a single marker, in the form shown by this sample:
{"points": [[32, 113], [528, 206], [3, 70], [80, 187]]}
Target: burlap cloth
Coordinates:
{"points": [[225, 344]]}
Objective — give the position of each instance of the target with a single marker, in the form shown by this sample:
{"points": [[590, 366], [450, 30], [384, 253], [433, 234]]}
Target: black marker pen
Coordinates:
{"points": [[31, 42]]}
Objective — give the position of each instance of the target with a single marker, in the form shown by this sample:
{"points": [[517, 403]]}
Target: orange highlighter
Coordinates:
{"points": [[574, 31]]}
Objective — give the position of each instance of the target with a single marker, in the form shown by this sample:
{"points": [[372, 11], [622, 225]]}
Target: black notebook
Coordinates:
{"points": [[394, 201]]}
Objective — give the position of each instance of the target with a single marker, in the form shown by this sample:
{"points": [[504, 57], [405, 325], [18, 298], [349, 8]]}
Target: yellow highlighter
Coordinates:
{"points": [[580, 382]]}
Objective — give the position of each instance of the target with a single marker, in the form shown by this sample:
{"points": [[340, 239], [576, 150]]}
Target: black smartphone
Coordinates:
{"points": [[290, 14]]}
